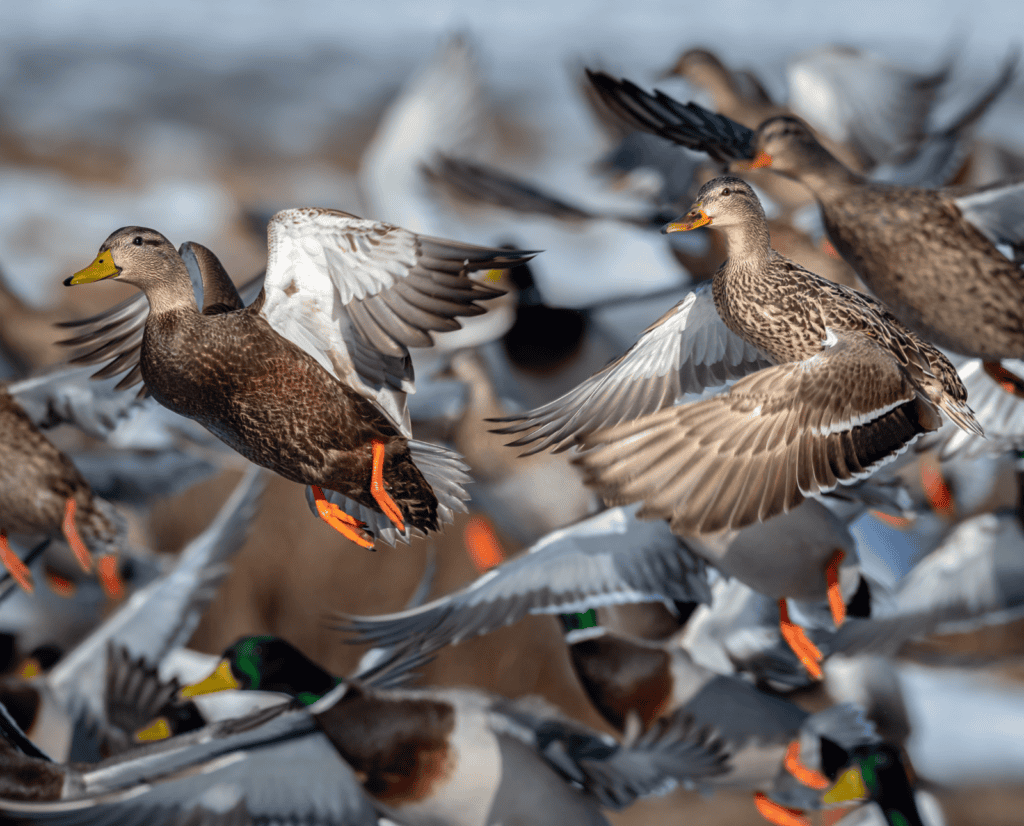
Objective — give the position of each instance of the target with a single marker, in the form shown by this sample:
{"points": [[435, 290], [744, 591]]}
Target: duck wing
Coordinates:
{"points": [[686, 350], [997, 211], [943, 151], [778, 436], [671, 751], [66, 396], [974, 578], [687, 124], [864, 101], [356, 294], [611, 558], [274, 766]]}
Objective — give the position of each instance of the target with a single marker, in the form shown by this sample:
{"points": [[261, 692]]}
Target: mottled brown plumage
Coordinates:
{"points": [[312, 420], [37, 481], [913, 248], [851, 389]]}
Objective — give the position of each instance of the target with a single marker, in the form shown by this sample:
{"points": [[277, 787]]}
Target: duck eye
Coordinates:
{"points": [[727, 191], [137, 240]]}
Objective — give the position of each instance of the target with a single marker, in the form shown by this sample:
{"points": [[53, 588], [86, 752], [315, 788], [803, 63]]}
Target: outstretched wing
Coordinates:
{"points": [[611, 558], [687, 349], [356, 294], [782, 434], [687, 124]]}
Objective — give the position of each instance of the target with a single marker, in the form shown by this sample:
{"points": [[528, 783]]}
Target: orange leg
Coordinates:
{"points": [[935, 488], [15, 567], [794, 635], [1010, 382], [481, 544], [835, 596], [110, 579], [347, 526], [779, 815], [808, 776], [73, 537], [387, 504]]}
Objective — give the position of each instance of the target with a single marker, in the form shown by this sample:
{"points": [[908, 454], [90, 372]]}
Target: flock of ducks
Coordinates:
{"points": [[718, 468]]}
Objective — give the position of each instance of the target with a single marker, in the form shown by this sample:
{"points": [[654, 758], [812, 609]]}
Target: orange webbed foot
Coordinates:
{"points": [[381, 496], [806, 775], [347, 526], [72, 536], [779, 815], [15, 567], [806, 651], [835, 596]]}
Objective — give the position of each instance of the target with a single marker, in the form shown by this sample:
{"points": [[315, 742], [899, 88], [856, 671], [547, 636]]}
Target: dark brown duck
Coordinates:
{"points": [[309, 380]]}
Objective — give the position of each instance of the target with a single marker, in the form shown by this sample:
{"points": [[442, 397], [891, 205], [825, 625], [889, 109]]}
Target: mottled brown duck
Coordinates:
{"points": [[846, 388], [42, 493], [310, 379]]}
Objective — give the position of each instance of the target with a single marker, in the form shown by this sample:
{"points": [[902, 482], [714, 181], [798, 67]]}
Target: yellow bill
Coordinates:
{"points": [[157, 730], [102, 267], [220, 680], [849, 786]]}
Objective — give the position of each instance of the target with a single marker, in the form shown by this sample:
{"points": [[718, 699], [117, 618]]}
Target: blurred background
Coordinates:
{"points": [[200, 119]]}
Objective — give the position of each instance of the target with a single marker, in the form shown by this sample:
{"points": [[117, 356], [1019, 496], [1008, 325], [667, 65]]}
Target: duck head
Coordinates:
{"points": [[723, 202], [266, 663], [788, 146], [137, 255]]}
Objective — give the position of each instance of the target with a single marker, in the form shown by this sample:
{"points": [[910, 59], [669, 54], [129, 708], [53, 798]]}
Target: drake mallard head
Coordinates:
{"points": [[723, 202], [266, 663], [787, 145], [137, 255]]}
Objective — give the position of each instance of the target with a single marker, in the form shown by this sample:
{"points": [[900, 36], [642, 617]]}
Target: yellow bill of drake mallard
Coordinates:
{"points": [[848, 389], [310, 379]]}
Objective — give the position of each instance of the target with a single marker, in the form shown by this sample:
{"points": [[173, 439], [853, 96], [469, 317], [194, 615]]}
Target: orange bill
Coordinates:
{"points": [[109, 576]]}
